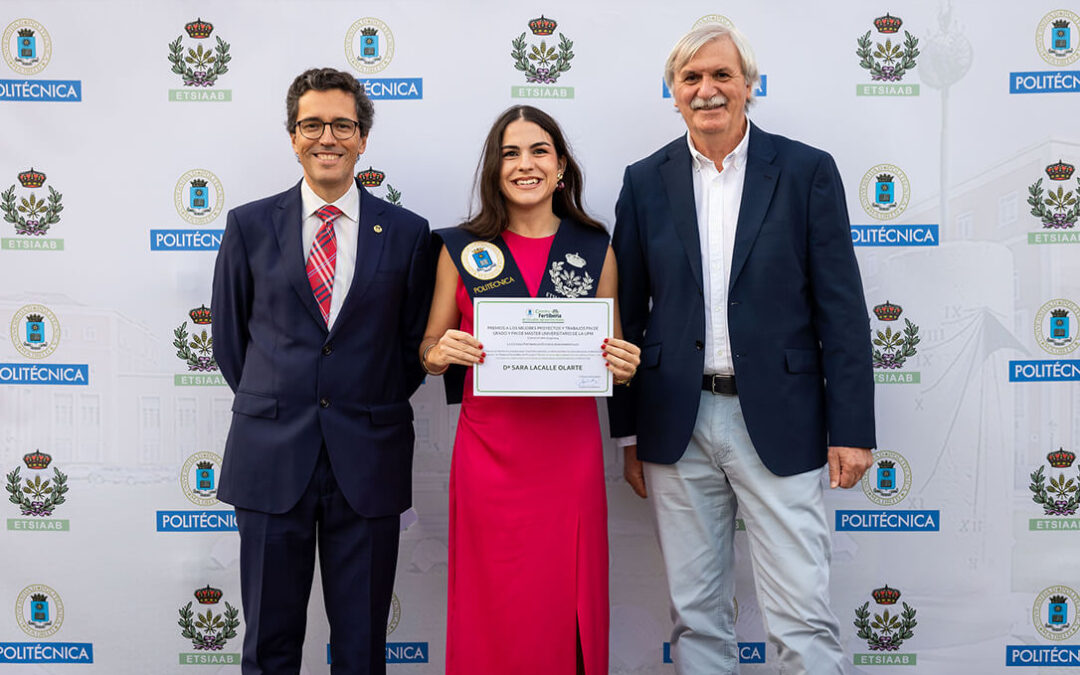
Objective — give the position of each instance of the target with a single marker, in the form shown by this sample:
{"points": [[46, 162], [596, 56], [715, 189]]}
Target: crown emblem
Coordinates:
{"points": [[888, 24], [575, 260], [888, 311], [34, 318], [1057, 599], [199, 29], [208, 595], [1059, 313], [200, 315], [369, 31], [205, 465], [371, 178], [1062, 459], [39, 597], [542, 26], [198, 182], [886, 464], [31, 178], [1060, 171], [885, 178], [37, 460], [29, 32], [885, 595], [1061, 23]]}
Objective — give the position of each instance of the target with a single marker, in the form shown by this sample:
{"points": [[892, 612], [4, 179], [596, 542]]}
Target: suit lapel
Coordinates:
{"points": [[288, 224], [371, 235], [758, 188], [678, 180]]}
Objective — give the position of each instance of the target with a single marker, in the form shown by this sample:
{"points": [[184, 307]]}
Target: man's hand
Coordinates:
{"points": [[846, 465], [633, 471]]}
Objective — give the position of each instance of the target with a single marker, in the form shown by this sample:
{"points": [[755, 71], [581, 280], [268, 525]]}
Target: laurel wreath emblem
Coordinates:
{"points": [[886, 632], [895, 61], [568, 283], [1064, 206], [37, 497], [209, 632], [542, 64], [896, 347], [199, 353], [1066, 491], [211, 64], [39, 213]]}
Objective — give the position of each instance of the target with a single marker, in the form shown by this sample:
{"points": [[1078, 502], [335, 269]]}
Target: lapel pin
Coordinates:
{"points": [[378, 229]]}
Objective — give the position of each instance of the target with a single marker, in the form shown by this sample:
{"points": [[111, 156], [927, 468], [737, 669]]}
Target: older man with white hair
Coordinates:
{"points": [[739, 282]]}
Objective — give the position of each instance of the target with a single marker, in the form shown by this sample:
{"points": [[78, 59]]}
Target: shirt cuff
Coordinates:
{"points": [[623, 441]]}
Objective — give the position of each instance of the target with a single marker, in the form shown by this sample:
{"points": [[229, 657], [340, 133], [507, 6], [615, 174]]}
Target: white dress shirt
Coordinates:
{"points": [[346, 231], [718, 196]]}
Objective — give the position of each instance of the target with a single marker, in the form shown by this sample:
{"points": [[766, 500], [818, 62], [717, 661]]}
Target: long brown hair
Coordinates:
{"points": [[493, 217]]}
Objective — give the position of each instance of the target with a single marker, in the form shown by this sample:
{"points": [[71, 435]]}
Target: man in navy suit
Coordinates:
{"points": [[739, 282], [321, 295]]}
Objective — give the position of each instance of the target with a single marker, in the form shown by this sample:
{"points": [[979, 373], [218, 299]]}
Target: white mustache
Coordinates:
{"points": [[708, 104]]}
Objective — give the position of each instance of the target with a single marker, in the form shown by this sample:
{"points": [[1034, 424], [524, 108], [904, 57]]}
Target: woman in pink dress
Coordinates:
{"points": [[528, 585]]}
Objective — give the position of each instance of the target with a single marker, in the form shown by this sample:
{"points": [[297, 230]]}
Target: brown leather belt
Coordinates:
{"points": [[719, 384]]}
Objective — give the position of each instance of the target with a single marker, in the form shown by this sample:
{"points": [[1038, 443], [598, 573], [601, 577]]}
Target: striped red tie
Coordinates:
{"points": [[320, 263]]}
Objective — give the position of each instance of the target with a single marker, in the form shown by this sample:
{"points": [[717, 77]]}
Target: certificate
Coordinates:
{"points": [[542, 346]]}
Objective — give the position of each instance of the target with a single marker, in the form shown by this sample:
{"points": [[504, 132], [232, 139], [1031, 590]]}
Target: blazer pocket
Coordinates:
{"points": [[802, 360], [254, 405], [651, 355], [393, 413]]}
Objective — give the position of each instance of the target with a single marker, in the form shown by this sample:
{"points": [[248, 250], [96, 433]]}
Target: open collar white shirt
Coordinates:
{"points": [[346, 231], [717, 198]]}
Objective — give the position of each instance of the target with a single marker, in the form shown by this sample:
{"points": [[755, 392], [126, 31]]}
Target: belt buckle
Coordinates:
{"points": [[712, 386]]}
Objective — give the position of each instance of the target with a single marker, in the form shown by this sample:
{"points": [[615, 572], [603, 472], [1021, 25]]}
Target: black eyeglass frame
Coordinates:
{"points": [[322, 129]]}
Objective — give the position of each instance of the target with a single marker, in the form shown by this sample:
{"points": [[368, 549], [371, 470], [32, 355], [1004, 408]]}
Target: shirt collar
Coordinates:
{"points": [[349, 203], [735, 159]]}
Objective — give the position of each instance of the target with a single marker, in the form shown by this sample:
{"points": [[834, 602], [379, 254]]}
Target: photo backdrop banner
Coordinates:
{"points": [[129, 129]]}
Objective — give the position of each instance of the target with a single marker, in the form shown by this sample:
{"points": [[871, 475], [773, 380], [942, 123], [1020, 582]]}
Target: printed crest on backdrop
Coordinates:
{"points": [[892, 348], [373, 178], [1056, 38], [198, 478], [483, 260], [1061, 495], [884, 191], [1055, 327], [888, 481], [39, 491], [713, 18], [1053, 613], [31, 211], [199, 196], [567, 280], [1056, 205], [27, 46], [884, 628], [542, 59], [35, 331], [196, 349], [394, 619], [887, 62], [208, 631], [369, 45], [39, 611], [203, 62]]}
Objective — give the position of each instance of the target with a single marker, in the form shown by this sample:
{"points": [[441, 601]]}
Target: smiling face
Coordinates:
{"points": [[711, 92], [328, 162], [530, 168]]}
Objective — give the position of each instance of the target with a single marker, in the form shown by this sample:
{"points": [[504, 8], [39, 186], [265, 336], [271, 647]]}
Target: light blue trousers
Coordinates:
{"points": [[695, 501]]}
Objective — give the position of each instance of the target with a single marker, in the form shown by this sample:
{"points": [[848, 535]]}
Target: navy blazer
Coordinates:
{"points": [[797, 319], [299, 387]]}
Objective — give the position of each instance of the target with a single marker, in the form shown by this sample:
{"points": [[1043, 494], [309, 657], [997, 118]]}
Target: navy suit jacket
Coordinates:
{"points": [[800, 334], [298, 386]]}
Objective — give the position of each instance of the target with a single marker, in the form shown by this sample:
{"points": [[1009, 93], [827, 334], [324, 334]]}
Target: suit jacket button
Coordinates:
{"points": [[328, 350], [324, 402], [699, 345]]}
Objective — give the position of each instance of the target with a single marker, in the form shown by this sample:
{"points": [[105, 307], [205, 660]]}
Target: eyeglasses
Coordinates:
{"points": [[342, 129]]}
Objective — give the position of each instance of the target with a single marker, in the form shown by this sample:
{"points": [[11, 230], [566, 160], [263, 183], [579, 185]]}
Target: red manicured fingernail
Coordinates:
{"points": [[605, 340], [483, 354]]}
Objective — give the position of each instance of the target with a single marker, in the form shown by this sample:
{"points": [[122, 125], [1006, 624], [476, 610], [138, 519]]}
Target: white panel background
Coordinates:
{"points": [[970, 436]]}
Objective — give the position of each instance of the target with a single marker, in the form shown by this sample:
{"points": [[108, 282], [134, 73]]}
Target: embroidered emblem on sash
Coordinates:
{"points": [[483, 260], [568, 283]]}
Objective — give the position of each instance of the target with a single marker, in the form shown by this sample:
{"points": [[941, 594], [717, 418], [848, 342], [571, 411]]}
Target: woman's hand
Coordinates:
{"points": [[623, 359], [454, 347]]}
